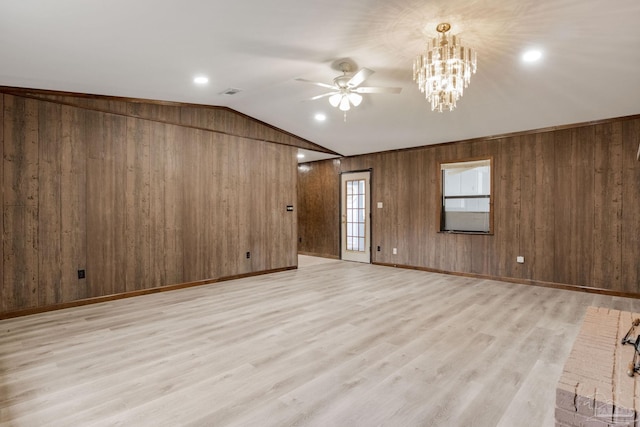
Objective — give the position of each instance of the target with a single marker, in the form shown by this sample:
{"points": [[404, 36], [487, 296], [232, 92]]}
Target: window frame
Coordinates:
{"points": [[440, 203]]}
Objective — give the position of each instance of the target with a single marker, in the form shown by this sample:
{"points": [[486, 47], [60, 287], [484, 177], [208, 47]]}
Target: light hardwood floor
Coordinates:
{"points": [[330, 344]]}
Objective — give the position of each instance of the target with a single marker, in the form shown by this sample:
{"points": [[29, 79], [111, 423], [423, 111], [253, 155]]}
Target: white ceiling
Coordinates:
{"points": [[153, 49]]}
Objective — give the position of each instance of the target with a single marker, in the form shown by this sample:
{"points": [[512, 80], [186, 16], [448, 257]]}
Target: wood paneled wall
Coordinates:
{"points": [[220, 120], [567, 200], [137, 203]]}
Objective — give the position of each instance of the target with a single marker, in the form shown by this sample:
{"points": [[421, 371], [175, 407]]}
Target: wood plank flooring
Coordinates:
{"points": [[330, 344]]}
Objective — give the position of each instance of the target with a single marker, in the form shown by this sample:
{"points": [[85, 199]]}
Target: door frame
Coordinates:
{"points": [[369, 201]]}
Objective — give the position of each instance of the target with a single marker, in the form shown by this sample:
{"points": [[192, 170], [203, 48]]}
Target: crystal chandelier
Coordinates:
{"points": [[444, 70]]}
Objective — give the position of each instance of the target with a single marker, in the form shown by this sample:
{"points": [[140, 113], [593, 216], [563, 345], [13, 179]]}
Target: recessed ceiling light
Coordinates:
{"points": [[531, 55], [320, 117], [201, 80], [300, 156]]}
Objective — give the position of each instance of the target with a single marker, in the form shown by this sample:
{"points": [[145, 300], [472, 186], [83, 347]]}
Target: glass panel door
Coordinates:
{"points": [[355, 216]]}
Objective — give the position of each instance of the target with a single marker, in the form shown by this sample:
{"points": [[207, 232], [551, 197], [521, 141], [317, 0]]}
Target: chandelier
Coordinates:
{"points": [[444, 69]]}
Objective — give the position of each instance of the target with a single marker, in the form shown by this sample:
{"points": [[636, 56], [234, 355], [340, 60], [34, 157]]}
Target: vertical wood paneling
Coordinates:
{"points": [[567, 200], [21, 156], [98, 199], [93, 103], [506, 205], [141, 204], [258, 159], [137, 204], [563, 202], [574, 206], [196, 215], [73, 203], [434, 239], [49, 208], [224, 217], [630, 268], [537, 207], [386, 172], [416, 178], [167, 205], [402, 211], [318, 205], [288, 178], [21, 256], [3, 284], [115, 217], [158, 192], [607, 203], [191, 216], [163, 113], [209, 195], [235, 187], [217, 119], [20, 210], [106, 209], [244, 215]]}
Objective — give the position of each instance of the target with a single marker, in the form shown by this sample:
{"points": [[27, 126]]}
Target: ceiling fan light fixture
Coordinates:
{"points": [[344, 103], [346, 90], [355, 99], [334, 100], [444, 69]]}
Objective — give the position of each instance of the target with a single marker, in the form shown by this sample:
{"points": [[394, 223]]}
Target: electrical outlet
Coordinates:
{"points": [[248, 255], [81, 274], [520, 259], [395, 251]]}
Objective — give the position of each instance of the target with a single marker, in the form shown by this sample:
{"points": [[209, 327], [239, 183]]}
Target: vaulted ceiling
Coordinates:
{"points": [[589, 70]]}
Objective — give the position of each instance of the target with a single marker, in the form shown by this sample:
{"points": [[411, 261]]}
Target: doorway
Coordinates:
{"points": [[355, 216]]}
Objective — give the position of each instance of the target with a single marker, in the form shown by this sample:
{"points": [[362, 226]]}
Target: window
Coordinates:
{"points": [[466, 197], [356, 215]]}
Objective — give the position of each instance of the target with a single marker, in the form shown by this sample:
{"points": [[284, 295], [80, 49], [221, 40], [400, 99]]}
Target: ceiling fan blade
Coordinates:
{"points": [[359, 77], [377, 90], [327, 86], [323, 95]]}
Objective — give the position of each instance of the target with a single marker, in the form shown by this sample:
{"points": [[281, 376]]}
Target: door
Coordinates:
{"points": [[356, 221]]}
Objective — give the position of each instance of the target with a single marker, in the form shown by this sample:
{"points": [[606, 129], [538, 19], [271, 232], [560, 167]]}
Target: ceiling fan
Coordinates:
{"points": [[346, 89]]}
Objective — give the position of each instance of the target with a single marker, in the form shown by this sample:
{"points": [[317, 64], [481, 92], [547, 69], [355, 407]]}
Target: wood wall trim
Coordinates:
{"points": [[41, 95], [539, 283], [130, 294]]}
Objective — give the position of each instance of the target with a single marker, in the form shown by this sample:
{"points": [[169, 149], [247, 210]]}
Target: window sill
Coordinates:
{"points": [[474, 233]]}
